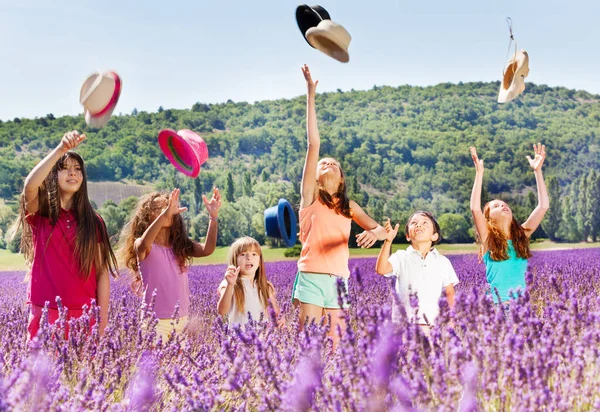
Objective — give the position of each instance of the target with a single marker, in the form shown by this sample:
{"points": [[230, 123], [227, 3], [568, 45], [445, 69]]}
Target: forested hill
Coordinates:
{"points": [[401, 147]]}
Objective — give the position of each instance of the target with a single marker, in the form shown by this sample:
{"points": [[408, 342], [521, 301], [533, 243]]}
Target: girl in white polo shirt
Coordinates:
{"points": [[420, 269]]}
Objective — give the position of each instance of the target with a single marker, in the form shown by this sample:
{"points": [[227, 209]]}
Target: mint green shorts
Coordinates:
{"points": [[318, 289]]}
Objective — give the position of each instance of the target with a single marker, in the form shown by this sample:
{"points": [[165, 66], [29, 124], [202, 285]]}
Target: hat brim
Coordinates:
{"points": [[114, 98], [515, 73], [98, 122], [280, 222], [328, 43], [179, 152]]}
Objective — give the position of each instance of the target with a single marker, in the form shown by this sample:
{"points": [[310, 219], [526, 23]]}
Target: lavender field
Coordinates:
{"points": [[542, 354]]}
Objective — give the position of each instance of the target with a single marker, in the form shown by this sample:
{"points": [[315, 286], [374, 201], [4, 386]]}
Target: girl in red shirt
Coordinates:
{"points": [[64, 240]]}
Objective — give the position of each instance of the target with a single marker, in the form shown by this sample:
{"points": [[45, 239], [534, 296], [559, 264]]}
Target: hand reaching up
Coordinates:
{"points": [[310, 85], [215, 203], [538, 160], [173, 208], [392, 232], [476, 160], [71, 140]]}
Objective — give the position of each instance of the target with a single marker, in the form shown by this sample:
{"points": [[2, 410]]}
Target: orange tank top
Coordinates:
{"points": [[324, 235]]}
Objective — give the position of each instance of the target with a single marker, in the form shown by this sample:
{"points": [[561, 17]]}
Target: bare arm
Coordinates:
{"points": [[103, 293], [207, 248], [36, 177], [273, 300], [383, 265], [226, 293], [480, 224], [309, 173], [144, 243], [373, 231], [543, 205], [450, 295]]}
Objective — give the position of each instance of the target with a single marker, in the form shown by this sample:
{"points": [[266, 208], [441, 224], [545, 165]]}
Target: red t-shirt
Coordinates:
{"points": [[55, 269]]}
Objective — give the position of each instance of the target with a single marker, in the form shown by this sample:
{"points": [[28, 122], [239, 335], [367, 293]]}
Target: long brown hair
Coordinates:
{"points": [[497, 242], [339, 201], [265, 288], [139, 221], [89, 251]]}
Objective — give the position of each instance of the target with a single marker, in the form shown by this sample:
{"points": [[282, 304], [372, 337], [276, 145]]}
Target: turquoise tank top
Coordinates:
{"points": [[505, 275]]}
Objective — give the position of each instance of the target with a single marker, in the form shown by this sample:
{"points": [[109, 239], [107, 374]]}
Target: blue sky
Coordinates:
{"points": [[175, 53]]}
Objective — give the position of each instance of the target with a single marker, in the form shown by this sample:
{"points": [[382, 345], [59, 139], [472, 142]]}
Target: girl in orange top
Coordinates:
{"points": [[325, 217]]}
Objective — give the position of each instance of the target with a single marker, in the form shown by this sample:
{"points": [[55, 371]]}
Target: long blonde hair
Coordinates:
{"points": [[265, 288], [497, 241], [140, 219]]}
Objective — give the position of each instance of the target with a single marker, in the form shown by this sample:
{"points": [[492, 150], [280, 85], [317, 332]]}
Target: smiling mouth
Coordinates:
{"points": [[72, 181]]}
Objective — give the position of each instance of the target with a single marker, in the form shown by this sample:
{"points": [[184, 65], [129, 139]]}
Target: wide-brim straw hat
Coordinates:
{"points": [[331, 38], [310, 16], [280, 222], [99, 96], [513, 83], [185, 149]]}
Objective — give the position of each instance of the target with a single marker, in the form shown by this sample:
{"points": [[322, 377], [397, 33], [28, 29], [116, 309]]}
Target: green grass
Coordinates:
{"points": [[12, 261]]}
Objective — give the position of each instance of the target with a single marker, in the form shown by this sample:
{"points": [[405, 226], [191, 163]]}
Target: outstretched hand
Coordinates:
{"points": [[366, 239], [71, 140], [476, 160], [173, 208], [391, 232], [231, 275], [215, 203], [538, 160], [310, 85]]}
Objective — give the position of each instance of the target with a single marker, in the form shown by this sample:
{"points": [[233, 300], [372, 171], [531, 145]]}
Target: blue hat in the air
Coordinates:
{"points": [[280, 222]]}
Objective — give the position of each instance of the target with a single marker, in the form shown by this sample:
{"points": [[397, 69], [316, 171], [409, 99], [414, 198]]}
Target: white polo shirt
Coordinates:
{"points": [[426, 277]]}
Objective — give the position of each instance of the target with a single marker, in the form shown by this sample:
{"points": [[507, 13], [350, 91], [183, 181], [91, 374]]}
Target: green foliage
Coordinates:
{"points": [[454, 228], [293, 251], [553, 219], [401, 148]]}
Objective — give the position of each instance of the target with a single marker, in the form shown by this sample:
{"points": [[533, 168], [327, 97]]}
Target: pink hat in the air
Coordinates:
{"points": [[185, 149]]}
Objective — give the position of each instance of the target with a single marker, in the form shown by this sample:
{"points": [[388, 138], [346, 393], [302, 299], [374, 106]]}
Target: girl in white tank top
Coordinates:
{"points": [[245, 290]]}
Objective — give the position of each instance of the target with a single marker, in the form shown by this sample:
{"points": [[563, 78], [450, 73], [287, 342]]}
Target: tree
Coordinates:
{"points": [[594, 198], [569, 229], [584, 222], [247, 185], [553, 219], [229, 188], [454, 228]]}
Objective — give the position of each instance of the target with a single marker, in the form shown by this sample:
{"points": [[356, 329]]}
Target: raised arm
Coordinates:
{"points": [[226, 292], [144, 243], [373, 231], [478, 217], [543, 205], [207, 248], [309, 173], [383, 265], [36, 177]]}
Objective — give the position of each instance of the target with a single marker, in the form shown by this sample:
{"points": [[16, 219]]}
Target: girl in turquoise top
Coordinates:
{"points": [[505, 242]]}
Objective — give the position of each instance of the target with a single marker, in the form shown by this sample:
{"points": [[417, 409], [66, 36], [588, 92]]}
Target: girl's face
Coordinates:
{"points": [[158, 205], [329, 169], [499, 211], [421, 230], [70, 177], [248, 261]]}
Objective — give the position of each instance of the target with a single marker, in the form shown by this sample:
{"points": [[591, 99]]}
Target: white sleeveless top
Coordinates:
{"points": [[251, 302]]}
